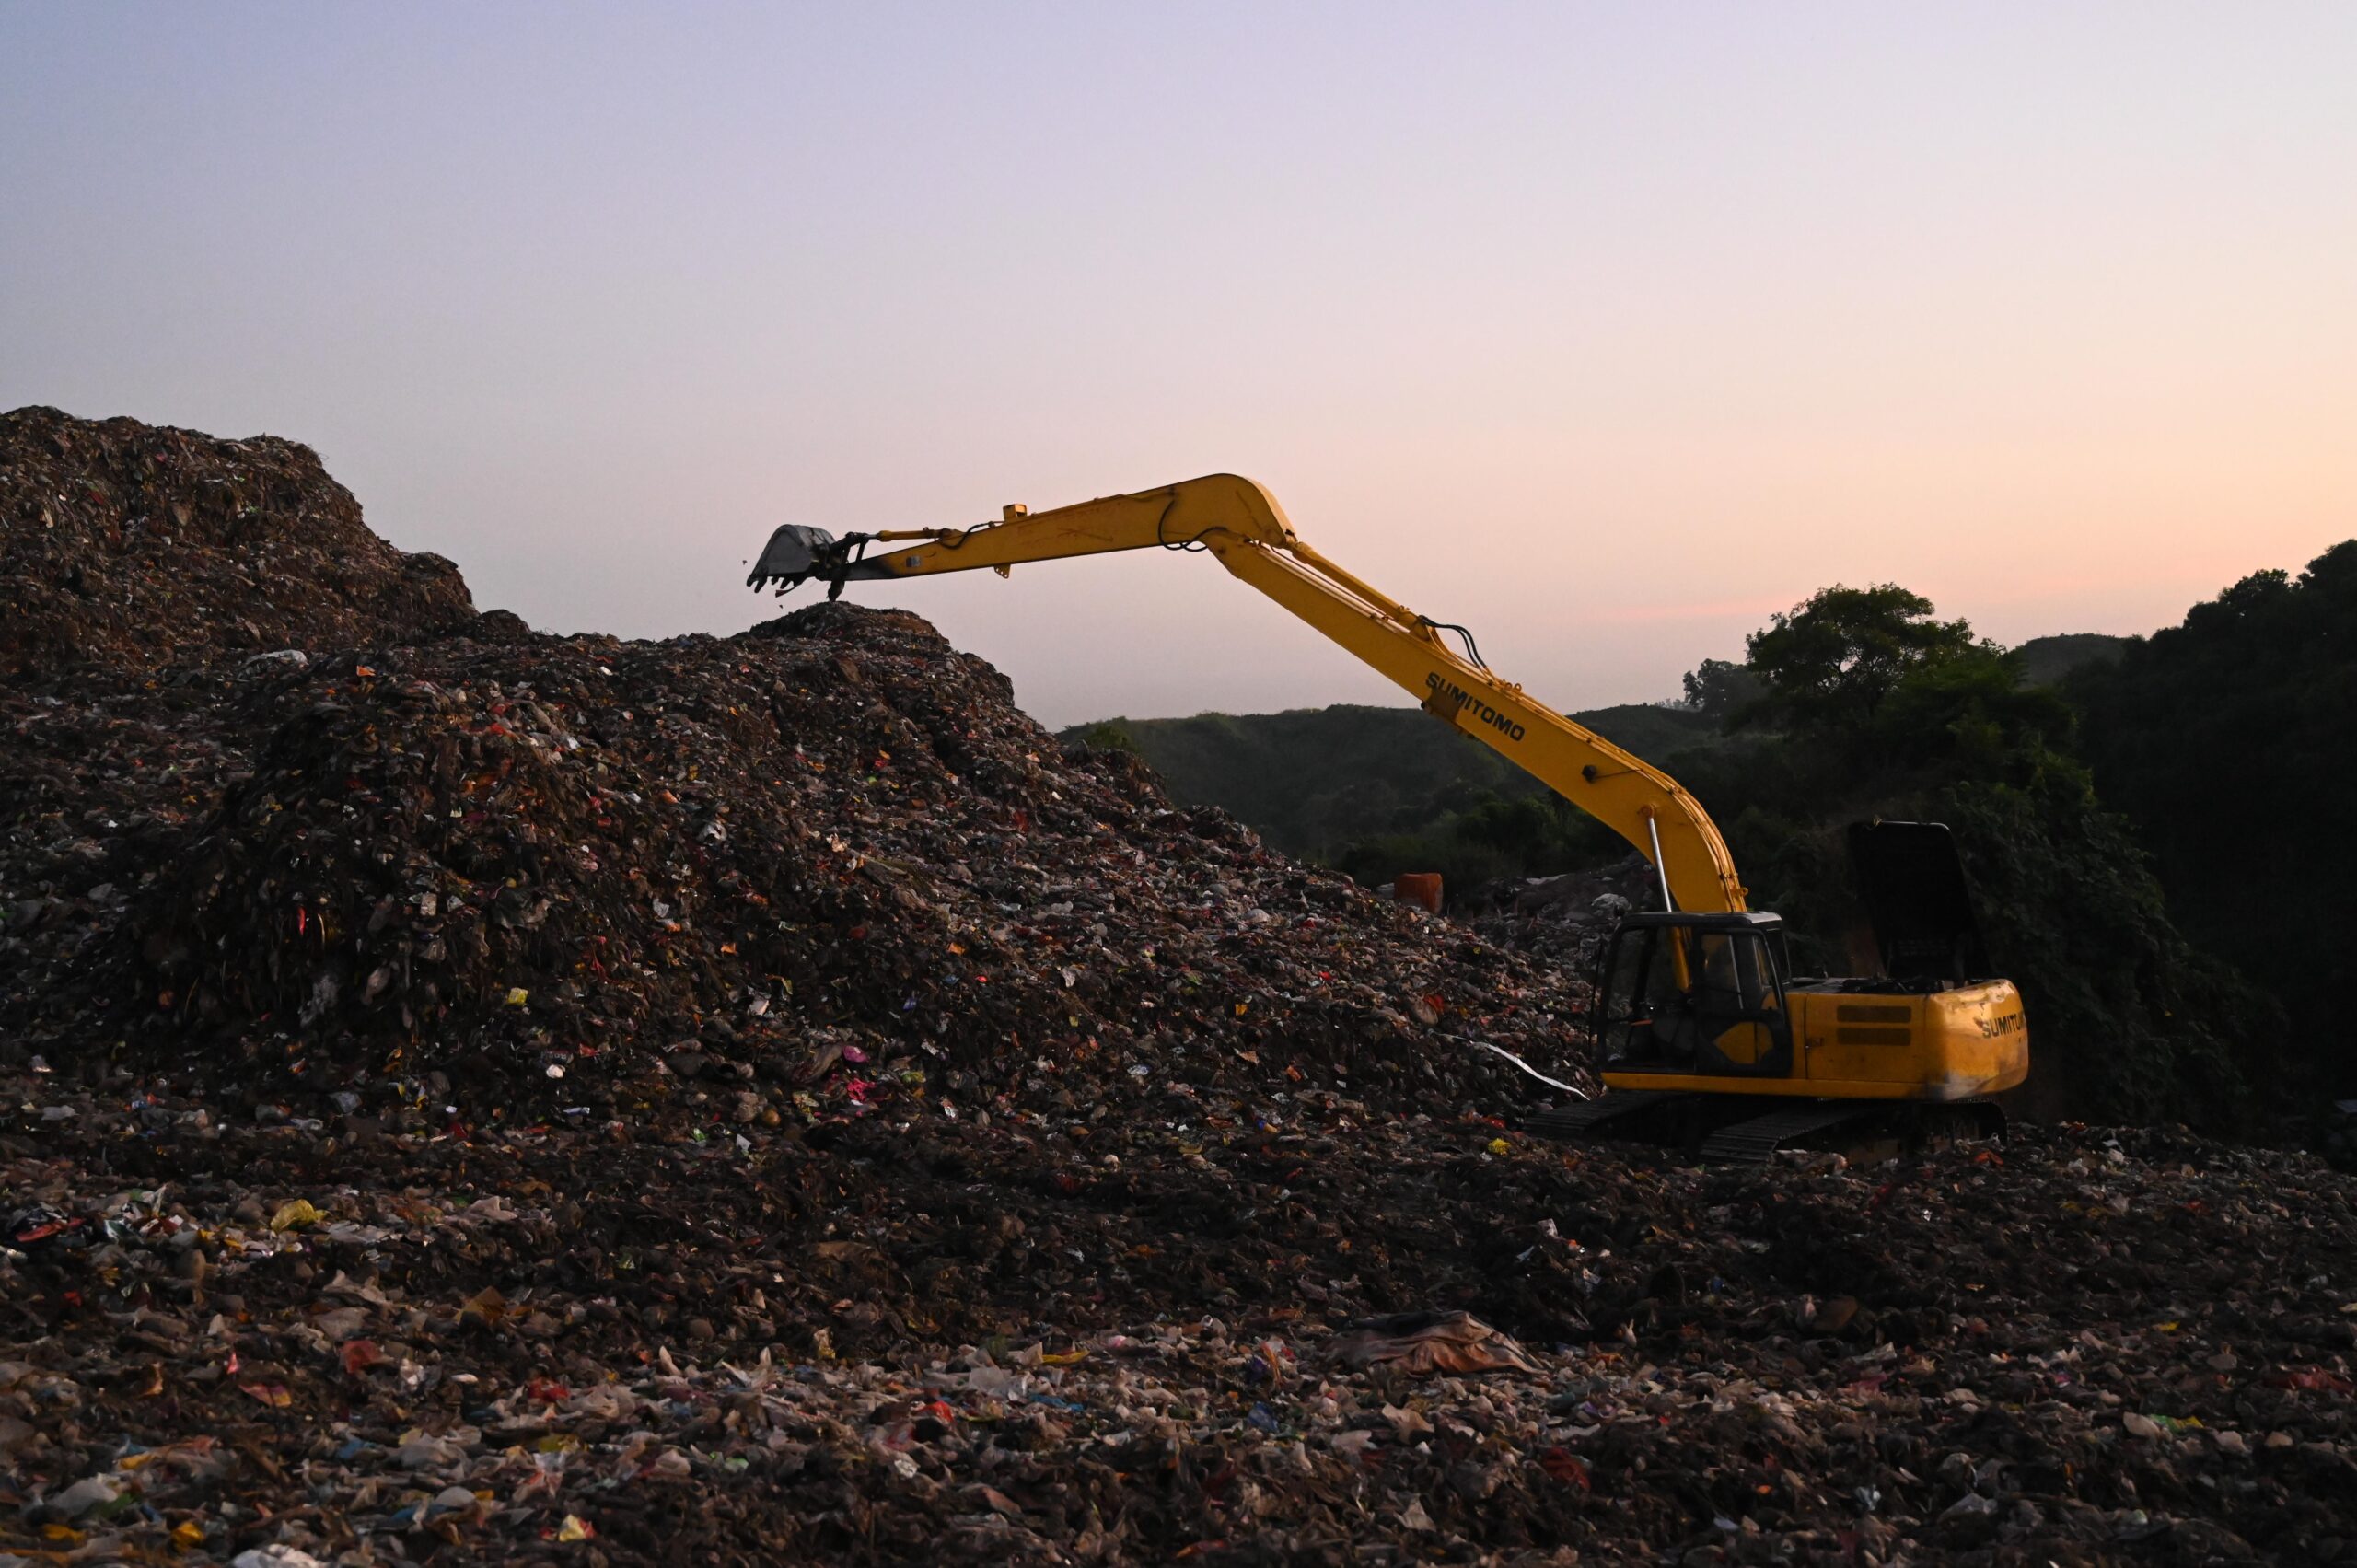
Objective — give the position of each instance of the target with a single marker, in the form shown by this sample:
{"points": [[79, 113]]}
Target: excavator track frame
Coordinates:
{"points": [[1720, 1129]]}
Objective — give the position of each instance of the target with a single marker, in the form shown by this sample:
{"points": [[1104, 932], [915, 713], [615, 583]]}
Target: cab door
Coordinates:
{"points": [[1738, 1006], [1695, 1000]]}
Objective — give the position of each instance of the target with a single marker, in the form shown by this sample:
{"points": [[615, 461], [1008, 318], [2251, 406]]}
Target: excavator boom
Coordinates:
{"points": [[1240, 524]]}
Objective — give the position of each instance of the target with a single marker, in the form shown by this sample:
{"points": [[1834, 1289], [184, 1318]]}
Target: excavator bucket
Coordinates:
{"points": [[795, 553]]}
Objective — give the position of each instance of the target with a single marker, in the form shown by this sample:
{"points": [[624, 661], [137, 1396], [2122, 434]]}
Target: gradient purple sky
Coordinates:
{"points": [[1608, 331]]}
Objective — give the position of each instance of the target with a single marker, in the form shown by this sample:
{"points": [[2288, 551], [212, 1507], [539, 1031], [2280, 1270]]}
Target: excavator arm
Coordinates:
{"points": [[1241, 525]]}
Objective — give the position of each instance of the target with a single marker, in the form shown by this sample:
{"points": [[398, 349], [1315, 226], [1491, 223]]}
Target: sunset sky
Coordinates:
{"points": [[1608, 331]]}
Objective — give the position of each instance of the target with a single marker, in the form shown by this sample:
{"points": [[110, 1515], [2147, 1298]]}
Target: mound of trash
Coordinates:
{"points": [[131, 546], [824, 865], [1566, 920], [410, 862]]}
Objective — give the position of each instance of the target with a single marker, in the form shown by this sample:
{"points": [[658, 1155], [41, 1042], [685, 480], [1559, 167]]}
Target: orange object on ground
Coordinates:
{"points": [[1418, 888]]}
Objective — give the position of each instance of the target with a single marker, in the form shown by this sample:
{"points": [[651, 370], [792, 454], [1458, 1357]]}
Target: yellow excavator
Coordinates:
{"points": [[1706, 1038]]}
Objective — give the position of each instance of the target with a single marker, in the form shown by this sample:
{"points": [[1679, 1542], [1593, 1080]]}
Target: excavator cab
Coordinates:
{"points": [[1697, 994]]}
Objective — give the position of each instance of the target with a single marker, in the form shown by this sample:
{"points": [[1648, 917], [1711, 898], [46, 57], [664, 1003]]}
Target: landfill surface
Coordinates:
{"points": [[1565, 922], [468, 1095]]}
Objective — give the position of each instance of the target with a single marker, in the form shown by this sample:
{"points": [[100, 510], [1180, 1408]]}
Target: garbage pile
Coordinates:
{"points": [[127, 546], [817, 869], [1564, 922], [450, 868], [473, 1096]]}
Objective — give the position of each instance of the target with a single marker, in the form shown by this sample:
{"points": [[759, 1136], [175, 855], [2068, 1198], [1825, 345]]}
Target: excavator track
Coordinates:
{"points": [[1729, 1130], [1752, 1142], [1604, 1115]]}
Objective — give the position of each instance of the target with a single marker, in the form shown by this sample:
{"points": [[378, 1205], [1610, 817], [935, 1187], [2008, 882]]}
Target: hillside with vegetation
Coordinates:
{"points": [[1380, 790], [2230, 742], [2045, 661], [1375, 791]]}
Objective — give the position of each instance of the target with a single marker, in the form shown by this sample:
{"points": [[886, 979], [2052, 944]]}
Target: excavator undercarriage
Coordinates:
{"points": [[1750, 1128]]}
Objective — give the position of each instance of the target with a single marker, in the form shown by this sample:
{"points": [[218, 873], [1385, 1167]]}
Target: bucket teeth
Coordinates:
{"points": [[794, 555]]}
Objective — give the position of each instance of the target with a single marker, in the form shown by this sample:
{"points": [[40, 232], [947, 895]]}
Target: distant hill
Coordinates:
{"points": [[1377, 790], [2045, 661], [1315, 781]]}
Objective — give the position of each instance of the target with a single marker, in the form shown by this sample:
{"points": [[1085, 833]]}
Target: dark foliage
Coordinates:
{"points": [[2231, 742], [1379, 791], [1722, 689], [1874, 708], [1473, 836], [2045, 661], [1828, 663]]}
